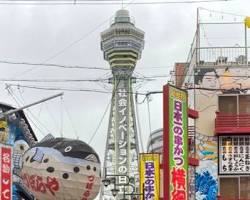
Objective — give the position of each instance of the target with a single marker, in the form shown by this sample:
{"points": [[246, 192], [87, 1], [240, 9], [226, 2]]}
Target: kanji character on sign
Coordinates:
{"points": [[179, 178], [122, 92], [122, 103], [178, 195], [123, 152]]}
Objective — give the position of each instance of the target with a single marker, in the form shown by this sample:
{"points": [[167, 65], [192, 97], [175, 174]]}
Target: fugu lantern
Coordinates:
{"points": [[61, 169]]}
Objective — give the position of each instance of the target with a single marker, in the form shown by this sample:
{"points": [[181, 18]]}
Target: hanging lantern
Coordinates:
{"points": [[61, 169]]}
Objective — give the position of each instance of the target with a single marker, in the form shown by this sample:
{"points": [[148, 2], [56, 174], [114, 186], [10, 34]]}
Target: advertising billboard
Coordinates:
{"points": [[150, 176], [6, 172], [175, 143], [234, 155]]}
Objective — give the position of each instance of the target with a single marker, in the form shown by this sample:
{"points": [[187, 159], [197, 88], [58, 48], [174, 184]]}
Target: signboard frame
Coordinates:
{"points": [[175, 156], [6, 171], [220, 155], [155, 158]]}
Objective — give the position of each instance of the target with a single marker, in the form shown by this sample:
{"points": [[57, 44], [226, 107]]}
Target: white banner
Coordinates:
{"points": [[234, 155]]}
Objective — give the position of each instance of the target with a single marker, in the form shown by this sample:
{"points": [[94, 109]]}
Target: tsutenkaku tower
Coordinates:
{"points": [[122, 45]]}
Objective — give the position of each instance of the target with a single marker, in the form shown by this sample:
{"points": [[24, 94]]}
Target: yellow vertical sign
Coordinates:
{"points": [[150, 176], [247, 22]]}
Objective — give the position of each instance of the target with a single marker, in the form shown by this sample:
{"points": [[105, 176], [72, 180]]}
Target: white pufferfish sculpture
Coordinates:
{"points": [[61, 169]]}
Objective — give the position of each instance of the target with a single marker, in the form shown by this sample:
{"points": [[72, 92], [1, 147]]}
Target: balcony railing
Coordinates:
{"points": [[216, 56], [232, 124]]}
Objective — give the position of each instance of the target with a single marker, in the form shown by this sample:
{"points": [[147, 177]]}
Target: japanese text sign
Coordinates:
{"points": [[234, 155], [6, 174], [150, 175], [175, 144]]}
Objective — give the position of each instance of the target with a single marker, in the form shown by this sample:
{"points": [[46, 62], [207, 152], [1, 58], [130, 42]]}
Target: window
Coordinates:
{"points": [[235, 187], [229, 188], [245, 187], [234, 104], [228, 104], [244, 104]]}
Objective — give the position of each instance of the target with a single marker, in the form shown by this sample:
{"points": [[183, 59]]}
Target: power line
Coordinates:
{"points": [[72, 66], [53, 80], [66, 89], [17, 102], [51, 65], [60, 88], [70, 45], [78, 40], [59, 2], [147, 78], [100, 122], [221, 12], [70, 119], [146, 94]]}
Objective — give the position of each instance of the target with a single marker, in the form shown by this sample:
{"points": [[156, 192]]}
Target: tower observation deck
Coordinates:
{"points": [[122, 45]]}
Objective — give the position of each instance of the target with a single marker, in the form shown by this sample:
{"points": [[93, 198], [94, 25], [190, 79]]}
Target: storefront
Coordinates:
{"points": [[16, 135], [234, 166]]}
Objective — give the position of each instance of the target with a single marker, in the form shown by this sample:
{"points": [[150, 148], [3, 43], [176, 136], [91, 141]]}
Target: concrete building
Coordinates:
{"points": [[218, 83], [217, 80]]}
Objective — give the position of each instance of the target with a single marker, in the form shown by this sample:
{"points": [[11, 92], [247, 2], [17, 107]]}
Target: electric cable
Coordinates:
{"points": [[51, 65], [53, 80], [31, 120], [31, 113], [70, 119], [100, 123], [221, 12], [138, 122], [65, 2], [61, 116]]}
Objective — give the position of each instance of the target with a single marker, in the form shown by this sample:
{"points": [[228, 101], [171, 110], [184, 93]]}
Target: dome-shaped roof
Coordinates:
{"points": [[122, 16]]}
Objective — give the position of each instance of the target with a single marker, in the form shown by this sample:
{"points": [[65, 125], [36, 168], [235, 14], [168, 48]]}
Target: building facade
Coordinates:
{"points": [[16, 135], [217, 80]]}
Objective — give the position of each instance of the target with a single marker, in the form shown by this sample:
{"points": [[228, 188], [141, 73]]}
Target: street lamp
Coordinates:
{"points": [[107, 181], [133, 195], [114, 191]]}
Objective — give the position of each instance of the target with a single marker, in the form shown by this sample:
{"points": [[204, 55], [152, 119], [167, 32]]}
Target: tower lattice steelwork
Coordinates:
{"points": [[122, 45]]}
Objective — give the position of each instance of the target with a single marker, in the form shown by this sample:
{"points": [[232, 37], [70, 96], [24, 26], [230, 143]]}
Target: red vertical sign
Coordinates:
{"points": [[6, 175]]}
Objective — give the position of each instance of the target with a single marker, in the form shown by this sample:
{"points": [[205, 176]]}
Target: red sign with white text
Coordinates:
{"points": [[6, 174]]}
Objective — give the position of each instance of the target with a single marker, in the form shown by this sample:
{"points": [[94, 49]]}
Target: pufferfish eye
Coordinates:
{"points": [[68, 149]]}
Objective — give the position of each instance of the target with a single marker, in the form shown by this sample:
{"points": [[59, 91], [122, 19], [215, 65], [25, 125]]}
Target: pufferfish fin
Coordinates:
{"points": [[91, 158], [38, 156], [47, 137]]}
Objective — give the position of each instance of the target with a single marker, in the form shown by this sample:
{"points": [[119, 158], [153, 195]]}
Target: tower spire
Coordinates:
{"points": [[122, 45]]}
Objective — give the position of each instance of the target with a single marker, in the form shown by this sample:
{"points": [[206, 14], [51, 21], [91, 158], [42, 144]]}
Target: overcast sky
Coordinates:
{"points": [[42, 33]]}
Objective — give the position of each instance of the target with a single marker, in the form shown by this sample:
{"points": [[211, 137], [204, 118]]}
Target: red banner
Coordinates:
{"points": [[5, 175]]}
